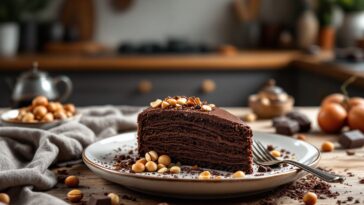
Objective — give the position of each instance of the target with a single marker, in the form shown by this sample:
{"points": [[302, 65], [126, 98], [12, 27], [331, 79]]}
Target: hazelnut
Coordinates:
{"points": [[141, 160], [175, 170], [182, 101], [72, 181], [159, 166], [59, 114], [206, 108], [74, 195], [151, 166], [115, 200], [165, 104], [172, 101], [40, 100], [70, 108], [327, 147], [250, 117], [212, 105], [238, 174], [156, 103], [301, 137], [48, 117], [204, 175], [265, 101], [59, 106], [69, 114], [275, 153], [52, 107], [310, 198], [218, 177], [151, 156], [163, 170], [164, 159], [40, 111], [29, 117], [4, 198], [138, 167]]}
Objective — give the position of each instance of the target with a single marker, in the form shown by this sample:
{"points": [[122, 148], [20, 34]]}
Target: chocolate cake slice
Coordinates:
{"points": [[196, 133]]}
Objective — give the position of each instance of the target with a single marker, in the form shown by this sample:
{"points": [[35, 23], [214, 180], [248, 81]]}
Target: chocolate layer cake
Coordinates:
{"points": [[195, 133]]}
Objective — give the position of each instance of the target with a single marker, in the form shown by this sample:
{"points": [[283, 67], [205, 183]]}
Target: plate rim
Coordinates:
{"points": [[89, 162]]}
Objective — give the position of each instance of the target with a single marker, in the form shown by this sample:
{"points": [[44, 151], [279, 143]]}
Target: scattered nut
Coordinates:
{"points": [[204, 175], [164, 159], [175, 170], [156, 103], [310, 198], [163, 170], [138, 167], [238, 174], [327, 147], [72, 181], [172, 101], [165, 104], [151, 166], [275, 153], [301, 137], [151, 156], [250, 117], [206, 108], [212, 105], [40, 100], [4, 198], [141, 160], [182, 101], [115, 200], [74, 195], [218, 177]]}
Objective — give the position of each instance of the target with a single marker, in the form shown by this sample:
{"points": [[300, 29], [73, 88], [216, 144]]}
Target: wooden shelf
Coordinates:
{"points": [[242, 61]]}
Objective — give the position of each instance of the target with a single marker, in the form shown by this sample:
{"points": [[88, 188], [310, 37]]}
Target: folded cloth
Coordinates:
{"points": [[26, 153]]}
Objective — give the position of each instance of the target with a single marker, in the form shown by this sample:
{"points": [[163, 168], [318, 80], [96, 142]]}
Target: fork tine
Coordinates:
{"points": [[259, 153], [264, 150], [256, 156]]}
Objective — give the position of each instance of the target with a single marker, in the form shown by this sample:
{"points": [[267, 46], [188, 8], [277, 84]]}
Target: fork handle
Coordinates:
{"points": [[326, 176]]}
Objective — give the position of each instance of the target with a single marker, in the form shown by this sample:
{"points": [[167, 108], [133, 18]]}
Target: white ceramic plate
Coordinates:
{"points": [[6, 119], [99, 157]]}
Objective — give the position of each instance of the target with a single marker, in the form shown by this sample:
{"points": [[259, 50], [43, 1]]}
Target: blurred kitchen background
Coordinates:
{"points": [[94, 52]]}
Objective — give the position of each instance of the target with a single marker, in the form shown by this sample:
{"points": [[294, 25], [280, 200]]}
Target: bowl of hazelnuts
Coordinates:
{"points": [[42, 114]]}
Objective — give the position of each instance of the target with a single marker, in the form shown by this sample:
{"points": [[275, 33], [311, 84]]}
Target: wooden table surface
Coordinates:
{"points": [[338, 160]]}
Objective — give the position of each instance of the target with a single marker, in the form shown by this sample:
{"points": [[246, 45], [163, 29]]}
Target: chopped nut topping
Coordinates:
{"points": [[180, 102], [165, 104], [156, 103], [206, 108]]}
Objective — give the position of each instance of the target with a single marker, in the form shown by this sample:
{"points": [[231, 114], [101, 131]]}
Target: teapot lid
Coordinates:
{"points": [[34, 73], [271, 89]]}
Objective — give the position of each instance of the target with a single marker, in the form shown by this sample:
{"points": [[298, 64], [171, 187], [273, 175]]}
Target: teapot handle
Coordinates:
{"points": [[68, 83]]}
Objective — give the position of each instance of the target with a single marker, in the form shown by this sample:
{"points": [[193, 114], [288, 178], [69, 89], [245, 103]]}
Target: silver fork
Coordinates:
{"points": [[262, 156]]}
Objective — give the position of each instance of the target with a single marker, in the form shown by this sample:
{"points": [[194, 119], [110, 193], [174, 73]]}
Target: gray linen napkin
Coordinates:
{"points": [[26, 154]]}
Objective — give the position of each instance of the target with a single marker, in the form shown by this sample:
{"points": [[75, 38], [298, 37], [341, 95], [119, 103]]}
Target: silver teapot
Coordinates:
{"points": [[34, 83]]}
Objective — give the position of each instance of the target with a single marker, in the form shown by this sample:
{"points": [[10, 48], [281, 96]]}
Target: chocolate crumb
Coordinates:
{"points": [[350, 152], [270, 147], [361, 181]]}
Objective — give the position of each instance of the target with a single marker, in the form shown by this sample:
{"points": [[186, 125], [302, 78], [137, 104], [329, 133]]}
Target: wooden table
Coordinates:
{"points": [[338, 160]]}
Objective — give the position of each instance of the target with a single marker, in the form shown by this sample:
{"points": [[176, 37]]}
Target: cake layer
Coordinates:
{"points": [[214, 139]]}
